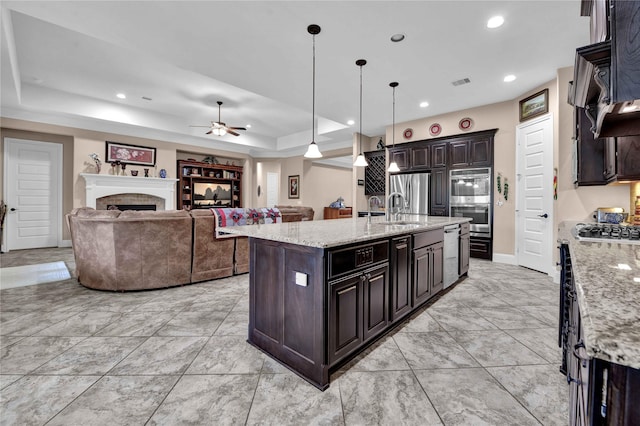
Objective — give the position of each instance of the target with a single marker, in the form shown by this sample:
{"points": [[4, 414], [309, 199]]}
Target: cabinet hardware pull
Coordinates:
{"points": [[576, 348], [571, 379]]}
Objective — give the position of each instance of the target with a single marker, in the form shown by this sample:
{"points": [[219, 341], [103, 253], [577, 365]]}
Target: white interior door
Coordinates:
{"points": [[33, 176], [534, 194], [273, 192]]}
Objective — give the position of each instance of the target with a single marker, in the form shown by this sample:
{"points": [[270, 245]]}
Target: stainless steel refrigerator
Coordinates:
{"points": [[415, 189]]}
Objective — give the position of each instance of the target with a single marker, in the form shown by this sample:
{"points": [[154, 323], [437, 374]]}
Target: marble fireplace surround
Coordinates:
{"points": [[98, 186]]}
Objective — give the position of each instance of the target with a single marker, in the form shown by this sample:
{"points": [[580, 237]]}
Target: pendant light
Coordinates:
{"points": [[360, 160], [313, 151], [393, 167]]}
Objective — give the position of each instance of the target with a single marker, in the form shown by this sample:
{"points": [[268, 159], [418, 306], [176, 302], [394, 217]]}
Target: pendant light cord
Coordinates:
{"points": [[393, 119], [313, 95], [360, 134]]}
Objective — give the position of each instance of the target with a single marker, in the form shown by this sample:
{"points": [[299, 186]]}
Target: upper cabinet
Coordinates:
{"points": [[606, 72], [470, 153]]}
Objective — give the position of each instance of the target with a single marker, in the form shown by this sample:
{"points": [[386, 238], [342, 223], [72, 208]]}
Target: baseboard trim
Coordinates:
{"points": [[65, 243], [509, 259]]}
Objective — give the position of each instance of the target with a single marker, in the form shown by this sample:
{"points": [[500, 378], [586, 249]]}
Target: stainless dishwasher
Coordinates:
{"points": [[451, 241]]}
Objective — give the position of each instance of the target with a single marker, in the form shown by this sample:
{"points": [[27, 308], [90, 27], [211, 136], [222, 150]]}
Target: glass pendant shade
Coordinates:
{"points": [[393, 167], [360, 161], [313, 151]]}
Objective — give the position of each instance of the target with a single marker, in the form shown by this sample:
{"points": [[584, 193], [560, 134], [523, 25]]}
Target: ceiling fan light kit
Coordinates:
{"points": [[313, 151], [360, 160], [393, 167], [219, 128]]}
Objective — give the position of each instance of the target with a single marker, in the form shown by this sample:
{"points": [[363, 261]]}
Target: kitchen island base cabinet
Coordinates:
{"points": [[427, 265], [401, 303]]}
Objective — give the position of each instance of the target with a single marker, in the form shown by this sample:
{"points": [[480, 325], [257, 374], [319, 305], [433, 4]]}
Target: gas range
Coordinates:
{"points": [[603, 232]]}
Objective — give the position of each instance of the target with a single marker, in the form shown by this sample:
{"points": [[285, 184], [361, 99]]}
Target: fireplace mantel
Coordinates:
{"points": [[98, 186]]}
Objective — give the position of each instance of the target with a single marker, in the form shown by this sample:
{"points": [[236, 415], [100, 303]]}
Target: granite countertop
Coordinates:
{"points": [[338, 232], [607, 278]]}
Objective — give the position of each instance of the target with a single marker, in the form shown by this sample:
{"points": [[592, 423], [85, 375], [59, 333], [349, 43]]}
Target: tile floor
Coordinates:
{"points": [[483, 353]]}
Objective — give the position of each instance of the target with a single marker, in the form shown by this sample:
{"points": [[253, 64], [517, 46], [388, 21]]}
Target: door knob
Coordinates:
{"points": [[13, 209], [543, 215]]}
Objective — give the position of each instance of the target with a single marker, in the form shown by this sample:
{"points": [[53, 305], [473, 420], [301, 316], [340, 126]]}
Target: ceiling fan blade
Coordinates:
{"points": [[198, 126], [236, 128], [231, 132], [209, 132]]}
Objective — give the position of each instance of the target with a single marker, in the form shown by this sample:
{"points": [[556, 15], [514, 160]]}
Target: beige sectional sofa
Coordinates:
{"points": [[138, 250]]}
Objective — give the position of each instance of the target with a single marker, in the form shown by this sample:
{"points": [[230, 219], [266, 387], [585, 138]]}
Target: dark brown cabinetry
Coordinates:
{"points": [[439, 154], [622, 158], [427, 265], [401, 157], [605, 72], [439, 192], [203, 185], [401, 302], [464, 245], [589, 161], [470, 153], [421, 157], [375, 173]]}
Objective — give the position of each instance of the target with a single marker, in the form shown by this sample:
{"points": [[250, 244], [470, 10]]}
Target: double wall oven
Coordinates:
{"points": [[470, 196]]}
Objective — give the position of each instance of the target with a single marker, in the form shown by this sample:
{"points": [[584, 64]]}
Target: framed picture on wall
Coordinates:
{"points": [[130, 154], [294, 186], [535, 105]]}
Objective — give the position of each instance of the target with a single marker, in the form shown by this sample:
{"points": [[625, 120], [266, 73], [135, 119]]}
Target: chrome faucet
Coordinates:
{"points": [[399, 209], [369, 208]]}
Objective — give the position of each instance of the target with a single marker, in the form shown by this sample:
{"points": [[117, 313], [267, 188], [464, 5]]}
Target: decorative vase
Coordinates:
{"points": [[146, 172], [163, 173]]}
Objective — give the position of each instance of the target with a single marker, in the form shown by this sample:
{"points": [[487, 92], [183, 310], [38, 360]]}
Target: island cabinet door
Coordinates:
{"points": [[401, 277], [421, 273], [345, 317], [376, 301]]}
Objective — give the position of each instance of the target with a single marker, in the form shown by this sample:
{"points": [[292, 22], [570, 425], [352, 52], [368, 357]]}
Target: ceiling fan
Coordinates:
{"points": [[219, 128]]}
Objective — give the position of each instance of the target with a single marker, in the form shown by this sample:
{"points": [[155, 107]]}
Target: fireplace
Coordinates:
{"points": [[102, 190], [123, 207]]}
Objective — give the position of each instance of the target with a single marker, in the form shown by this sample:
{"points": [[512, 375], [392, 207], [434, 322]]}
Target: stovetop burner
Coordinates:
{"points": [[607, 231]]}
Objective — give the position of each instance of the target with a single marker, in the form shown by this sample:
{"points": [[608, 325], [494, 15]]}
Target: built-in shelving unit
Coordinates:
{"points": [[204, 185]]}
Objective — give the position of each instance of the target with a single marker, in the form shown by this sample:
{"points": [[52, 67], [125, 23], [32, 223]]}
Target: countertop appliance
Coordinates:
{"points": [[415, 189], [450, 249], [602, 232], [610, 215]]}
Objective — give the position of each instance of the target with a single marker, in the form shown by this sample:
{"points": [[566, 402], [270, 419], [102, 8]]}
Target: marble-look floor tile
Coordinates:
{"points": [[542, 389], [235, 324], [200, 400], [29, 324], [543, 341], [92, 356], [117, 400], [519, 298], [193, 323], [84, 323], [33, 400], [286, 399], [137, 324], [420, 322], [217, 302], [7, 379], [456, 318], [164, 304], [161, 356], [470, 396], [31, 352], [433, 350], [227, 355], [9, 340], [509, 318], [547, 314], [381, 397], [381, 356], [495, 348]]}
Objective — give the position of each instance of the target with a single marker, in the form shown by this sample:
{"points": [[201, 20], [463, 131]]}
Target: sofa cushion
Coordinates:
{"points": [[153, 214], [98, 214]]}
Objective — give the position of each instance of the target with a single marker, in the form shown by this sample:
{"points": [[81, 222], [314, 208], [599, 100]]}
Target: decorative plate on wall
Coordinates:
{"points": [[408, 133], [465, 124], [435, 129]]}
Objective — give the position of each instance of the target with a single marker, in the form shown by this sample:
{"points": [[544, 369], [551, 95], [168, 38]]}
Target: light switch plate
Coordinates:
{"points": [[301, 279]]}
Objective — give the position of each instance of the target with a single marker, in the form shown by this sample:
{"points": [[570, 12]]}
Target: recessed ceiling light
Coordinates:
{"points": [[351, 122], [121, 96], [397, 37], [424, 104], [495, 22], [248, 126], [509, 78]]}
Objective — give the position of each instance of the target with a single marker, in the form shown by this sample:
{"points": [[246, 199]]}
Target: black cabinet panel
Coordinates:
{"points": [[401, 157], [345, 320], [439, 154], [439, 192], [376, 302], [421, 157], [459, 154], [375, 173], [401, 277]]}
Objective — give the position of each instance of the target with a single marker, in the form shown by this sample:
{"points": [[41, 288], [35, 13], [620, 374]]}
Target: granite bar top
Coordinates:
{"points": [[338, 232], [607, 278]]}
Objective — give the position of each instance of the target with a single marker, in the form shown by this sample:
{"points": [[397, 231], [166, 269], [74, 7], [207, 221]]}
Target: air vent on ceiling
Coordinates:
{"points": [[461, 82]]}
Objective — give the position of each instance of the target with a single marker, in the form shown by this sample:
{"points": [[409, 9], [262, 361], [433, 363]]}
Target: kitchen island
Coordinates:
{"points": [[600, 328], [322, 291]]}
